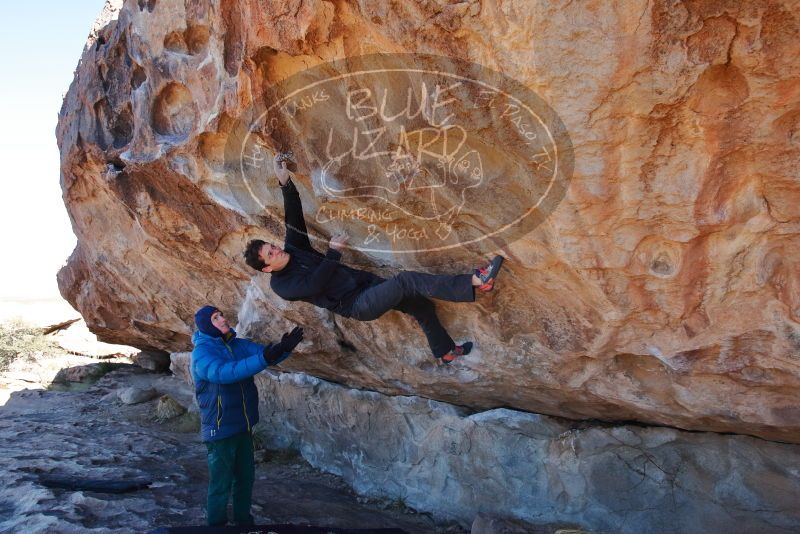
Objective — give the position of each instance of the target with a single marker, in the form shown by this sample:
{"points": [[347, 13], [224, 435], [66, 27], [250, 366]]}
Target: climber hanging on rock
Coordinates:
{"points": [[299, 272]]}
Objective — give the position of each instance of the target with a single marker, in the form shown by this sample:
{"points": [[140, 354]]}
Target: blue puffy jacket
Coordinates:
{"points": [[223, 378]]}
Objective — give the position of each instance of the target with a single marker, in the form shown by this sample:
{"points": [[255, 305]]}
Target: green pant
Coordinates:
{"points": [[230, 466]]}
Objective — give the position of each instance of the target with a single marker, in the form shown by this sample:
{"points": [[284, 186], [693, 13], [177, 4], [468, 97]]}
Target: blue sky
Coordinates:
{"points": [[40, 45]]}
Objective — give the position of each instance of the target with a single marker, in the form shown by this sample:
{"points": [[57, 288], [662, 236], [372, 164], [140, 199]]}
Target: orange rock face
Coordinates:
{"points": [[661, 286]]}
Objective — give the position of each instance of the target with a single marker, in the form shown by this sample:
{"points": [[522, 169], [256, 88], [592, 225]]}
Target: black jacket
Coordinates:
{"points": [[309, 276]]}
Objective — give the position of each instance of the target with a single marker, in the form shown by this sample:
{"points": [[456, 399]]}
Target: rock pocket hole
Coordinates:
{"points": [[174, 42], [122, 127], [196, 38], [174, 111], [212, 148], [662, 265], [116, 165], [101, 40], [149, 5], [347, 346], [102, 114], [138, 77]]}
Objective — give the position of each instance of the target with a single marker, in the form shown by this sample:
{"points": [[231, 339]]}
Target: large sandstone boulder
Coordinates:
{"points": [[662, 288]]}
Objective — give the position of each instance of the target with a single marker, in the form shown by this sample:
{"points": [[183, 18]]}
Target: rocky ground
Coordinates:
{"points": [[86, 434]]}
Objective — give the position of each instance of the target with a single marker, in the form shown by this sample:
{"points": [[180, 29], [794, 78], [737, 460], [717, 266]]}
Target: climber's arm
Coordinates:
{"points": [[296, 231]]}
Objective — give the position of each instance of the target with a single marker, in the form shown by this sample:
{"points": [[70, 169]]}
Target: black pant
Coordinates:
{"points": [[407, 293]]}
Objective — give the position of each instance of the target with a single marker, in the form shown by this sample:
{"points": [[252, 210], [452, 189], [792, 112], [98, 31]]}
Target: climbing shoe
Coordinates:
{"points": [[488, 274], [457, 352]]}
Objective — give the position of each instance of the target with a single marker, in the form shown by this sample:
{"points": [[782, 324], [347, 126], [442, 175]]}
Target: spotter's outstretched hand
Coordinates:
{"points": [[291, 339]]}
